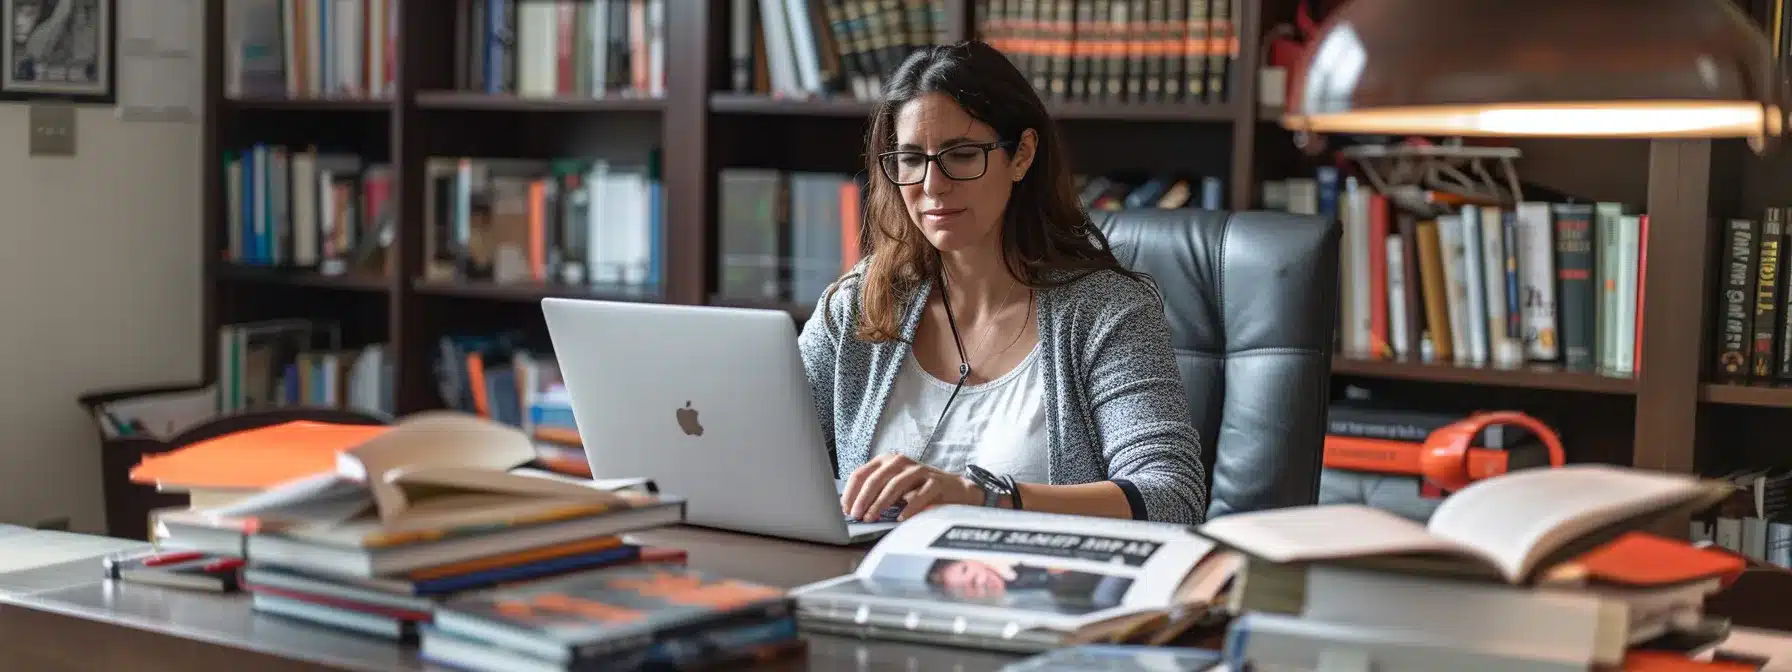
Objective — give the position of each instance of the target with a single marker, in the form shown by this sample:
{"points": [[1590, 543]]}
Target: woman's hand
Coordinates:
{"points": [[890, 478]]}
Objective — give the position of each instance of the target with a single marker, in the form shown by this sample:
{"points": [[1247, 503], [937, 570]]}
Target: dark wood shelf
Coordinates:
{"points": [[800, 311], [1193, 112], [1764, 396], [1535, 376], [737, 103], [698, 130], [526, 292], [475, 100], [310, 104], [300, 278]]}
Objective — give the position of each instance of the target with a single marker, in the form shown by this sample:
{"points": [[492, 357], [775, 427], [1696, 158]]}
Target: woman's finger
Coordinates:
{"points": [[864, 479], [920, 498], [876, 482], [904, 482]]}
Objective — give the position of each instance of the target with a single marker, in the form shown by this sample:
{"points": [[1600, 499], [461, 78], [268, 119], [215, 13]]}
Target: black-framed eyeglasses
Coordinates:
{"points": [[958, 162]]}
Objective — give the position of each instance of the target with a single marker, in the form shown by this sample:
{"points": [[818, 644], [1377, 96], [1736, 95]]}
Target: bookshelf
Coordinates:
{"points": [[1650, 420]]}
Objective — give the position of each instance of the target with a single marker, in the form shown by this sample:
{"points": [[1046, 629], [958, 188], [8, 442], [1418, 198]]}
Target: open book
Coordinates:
{"points": [[433, 471], [1512, 526], [1012, 580]]}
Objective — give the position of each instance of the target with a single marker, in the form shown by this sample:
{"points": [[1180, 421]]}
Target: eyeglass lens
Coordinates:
{"points": [[959, 163]]}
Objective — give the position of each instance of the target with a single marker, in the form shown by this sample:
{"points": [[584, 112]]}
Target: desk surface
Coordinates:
{"points": [[65, 617]]}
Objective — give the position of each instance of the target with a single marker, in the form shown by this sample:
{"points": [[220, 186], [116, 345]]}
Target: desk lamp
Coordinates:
{"points": [[1562, 68]]}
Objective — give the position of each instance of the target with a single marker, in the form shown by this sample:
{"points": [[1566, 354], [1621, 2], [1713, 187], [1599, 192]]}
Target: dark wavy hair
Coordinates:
{"points": [[1047, 239]]}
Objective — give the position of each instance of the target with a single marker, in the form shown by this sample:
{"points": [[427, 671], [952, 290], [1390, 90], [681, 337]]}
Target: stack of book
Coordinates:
{"points": [[431, 507], [641, 616], [1542, 569], [1538, 569]]}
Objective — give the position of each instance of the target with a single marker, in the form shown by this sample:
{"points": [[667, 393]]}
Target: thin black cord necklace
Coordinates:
{"points": [[964, 361]]}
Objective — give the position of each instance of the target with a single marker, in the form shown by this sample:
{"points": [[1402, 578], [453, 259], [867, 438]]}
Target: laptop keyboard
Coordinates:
{"points": [[888, 517]]}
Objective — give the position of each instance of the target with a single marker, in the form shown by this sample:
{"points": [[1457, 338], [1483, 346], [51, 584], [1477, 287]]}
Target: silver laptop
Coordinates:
{"points": [[710, 403]]}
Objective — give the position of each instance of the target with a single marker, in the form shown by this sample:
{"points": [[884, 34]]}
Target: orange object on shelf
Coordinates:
{"points": [[254, 459], [1444, 461]]}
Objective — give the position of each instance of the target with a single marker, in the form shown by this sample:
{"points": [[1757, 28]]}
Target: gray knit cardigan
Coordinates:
{"points": [[1115, 404]]}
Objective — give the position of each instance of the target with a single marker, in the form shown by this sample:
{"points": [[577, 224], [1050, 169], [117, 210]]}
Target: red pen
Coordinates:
{"points": [[171, 558], [223, 564]]}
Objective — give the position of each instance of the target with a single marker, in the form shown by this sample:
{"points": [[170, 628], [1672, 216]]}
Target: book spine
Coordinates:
{"points": [[1574, 278], [1735, 319], [1767, 264], [1536, 269]]}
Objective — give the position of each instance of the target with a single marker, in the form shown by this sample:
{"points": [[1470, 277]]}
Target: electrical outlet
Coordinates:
{"points": [[52, 130]]}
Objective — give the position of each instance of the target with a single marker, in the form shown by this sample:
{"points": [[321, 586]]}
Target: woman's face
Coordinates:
{"points": [[955, 214]]}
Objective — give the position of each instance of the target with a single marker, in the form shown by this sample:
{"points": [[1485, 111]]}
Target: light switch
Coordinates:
{"points": [[52, 129]]}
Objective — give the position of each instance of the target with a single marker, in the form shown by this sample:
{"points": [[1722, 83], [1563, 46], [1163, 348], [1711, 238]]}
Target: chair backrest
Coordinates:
{"points": [[1251, 299]]}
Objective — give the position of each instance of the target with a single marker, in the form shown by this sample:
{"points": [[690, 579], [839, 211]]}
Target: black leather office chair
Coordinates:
{"points": [[1251, 298]]}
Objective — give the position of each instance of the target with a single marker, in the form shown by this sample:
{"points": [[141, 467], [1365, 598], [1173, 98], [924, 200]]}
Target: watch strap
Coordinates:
{"points": [[993, 486]]}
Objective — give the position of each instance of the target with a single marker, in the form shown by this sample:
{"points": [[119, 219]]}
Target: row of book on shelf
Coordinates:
{"points": [[305, 208], [569, 221], [1120, 50], [439, 528], [785, 236], [310, 48], [571, 48], [804, 48], [1753, 311], [337, 49], [1481, 284], [1754, 521], [300, 362]]}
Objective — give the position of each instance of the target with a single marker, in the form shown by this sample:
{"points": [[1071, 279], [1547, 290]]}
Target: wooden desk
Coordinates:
{"points": [[65, 617]]}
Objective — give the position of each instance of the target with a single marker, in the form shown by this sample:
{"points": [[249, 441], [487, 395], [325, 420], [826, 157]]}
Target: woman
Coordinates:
{"points": [[990, 331]]}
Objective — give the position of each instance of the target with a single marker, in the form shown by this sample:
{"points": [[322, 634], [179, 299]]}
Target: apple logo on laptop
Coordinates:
{"points": [[687, 420]]}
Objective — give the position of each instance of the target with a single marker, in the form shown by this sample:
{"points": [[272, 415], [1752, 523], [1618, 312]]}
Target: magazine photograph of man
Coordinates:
{"points": [[966, 571]]}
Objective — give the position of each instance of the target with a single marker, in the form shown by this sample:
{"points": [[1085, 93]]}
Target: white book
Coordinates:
{"points": [[804, 45], [1350, 275], [1474, 289], [1503, 349], [347, 33], [1537, 279], [1266, 642], [1552, 623], [1396, 297], [1630, 248], [656, 48], [305, 198], [537, 27], [1606, 269], [780, 60], [1361, 324]]}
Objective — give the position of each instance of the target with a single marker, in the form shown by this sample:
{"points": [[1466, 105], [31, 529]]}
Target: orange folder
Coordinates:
{"points": [[254, 459]]}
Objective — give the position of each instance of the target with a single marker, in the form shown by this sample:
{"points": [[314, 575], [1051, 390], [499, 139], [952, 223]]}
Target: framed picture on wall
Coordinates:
{"points": [[59, 50]]}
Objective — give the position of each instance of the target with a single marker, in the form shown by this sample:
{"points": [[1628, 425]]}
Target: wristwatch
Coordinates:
{"points": [[994, 487]]}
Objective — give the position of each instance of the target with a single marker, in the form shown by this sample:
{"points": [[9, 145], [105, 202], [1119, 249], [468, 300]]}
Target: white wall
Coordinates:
{"points": [[99, 287]]}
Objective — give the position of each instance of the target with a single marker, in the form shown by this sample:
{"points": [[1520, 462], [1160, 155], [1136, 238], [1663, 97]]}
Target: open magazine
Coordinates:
{"points": [[1006, 579]]}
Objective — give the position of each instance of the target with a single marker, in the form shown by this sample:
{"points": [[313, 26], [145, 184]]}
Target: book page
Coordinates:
{"points": [[1523, 516], [432, 439], [1023, 568], [1329, 532]]}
